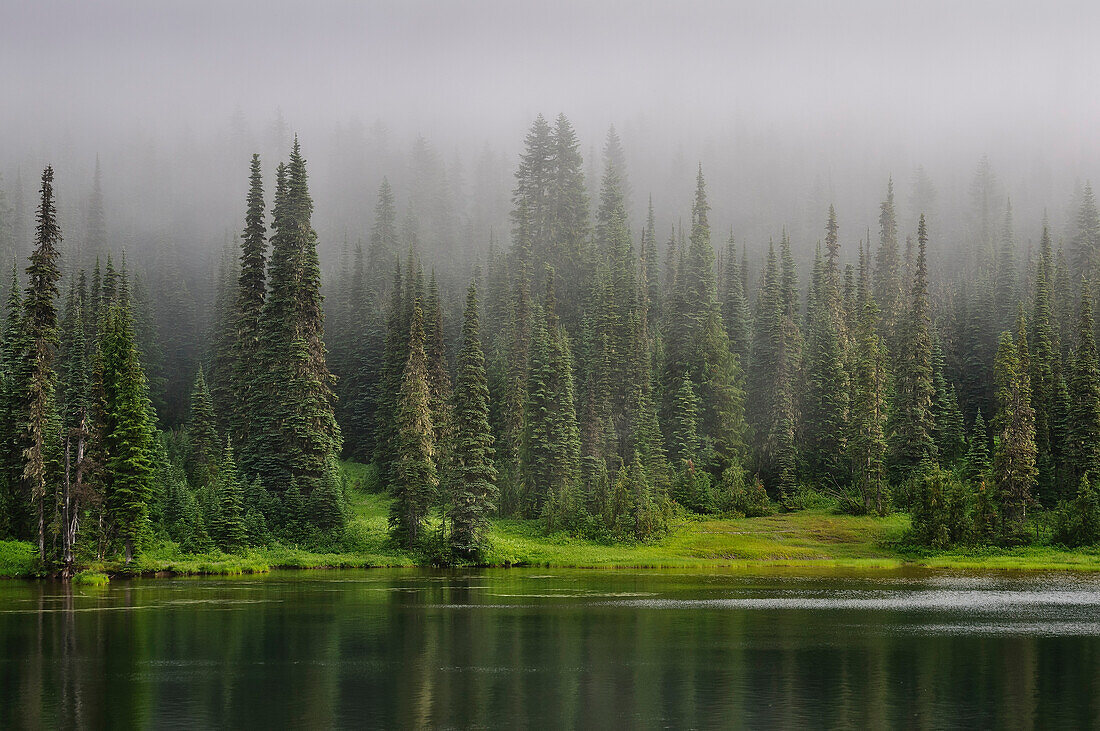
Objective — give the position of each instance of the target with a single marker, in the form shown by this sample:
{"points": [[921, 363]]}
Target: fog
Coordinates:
{"points": [[788, 106]]}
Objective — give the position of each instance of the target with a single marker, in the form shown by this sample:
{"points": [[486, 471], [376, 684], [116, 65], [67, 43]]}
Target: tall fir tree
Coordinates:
{"points": [[126, 431], [1086, 235], [227, 527], [40, 323], [1014, 469], [867, 426], [472, 485], [202, 430], [298, 436], [1045, 366], [912, 430], [771, 381], [415, 478], [1082, 449], [826, 403], [251, 293], [888, 284]]}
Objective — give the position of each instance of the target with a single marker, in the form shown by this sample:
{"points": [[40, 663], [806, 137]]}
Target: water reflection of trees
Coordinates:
{"points": [[414, 650]]}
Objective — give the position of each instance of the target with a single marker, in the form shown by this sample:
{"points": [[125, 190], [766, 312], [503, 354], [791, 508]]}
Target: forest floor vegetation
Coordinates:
{"points": [[817, 537]]}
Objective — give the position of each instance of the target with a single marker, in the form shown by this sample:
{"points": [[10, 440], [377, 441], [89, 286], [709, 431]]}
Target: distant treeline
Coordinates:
{"points": [[598, 383]]}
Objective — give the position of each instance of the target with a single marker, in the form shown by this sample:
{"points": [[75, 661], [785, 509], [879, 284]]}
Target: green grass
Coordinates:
{"points": [[91, 578], [814, 538], [18, 558], [807, 538]]}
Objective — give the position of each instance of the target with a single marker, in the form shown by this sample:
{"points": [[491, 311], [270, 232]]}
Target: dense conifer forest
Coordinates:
{"points": [[571, 368]]}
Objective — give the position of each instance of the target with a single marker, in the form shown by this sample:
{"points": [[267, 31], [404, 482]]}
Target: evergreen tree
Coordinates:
{"points": [[223, 338], [1082, 449], [651, 267], [383, 240], [684, 427], [41, 329], [228, 528], [125, 429], [13, 368], [1014, 447], [414, 471], [297, 432], [395, 357], [825, 408], [439, 380], [516, 373], [735, 308], [978, 461], [771, 381], [202, 429], [911, 434], [1086, 237], [867, 437], [888, 284], [473, 484], [950, 431], [1045, 365], [696, 343], [251, 292], [1005, 299]]}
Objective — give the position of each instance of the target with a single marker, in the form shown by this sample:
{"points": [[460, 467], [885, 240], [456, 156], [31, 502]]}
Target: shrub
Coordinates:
{"points": [[942, 507], [1078, 520], [737, 494]]}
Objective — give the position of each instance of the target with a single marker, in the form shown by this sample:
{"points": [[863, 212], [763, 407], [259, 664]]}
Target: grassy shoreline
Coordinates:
{"points": [[810, 539]]}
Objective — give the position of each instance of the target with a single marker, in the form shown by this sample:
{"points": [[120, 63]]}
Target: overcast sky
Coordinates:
{"points": [[829, 97], [936, 67]]}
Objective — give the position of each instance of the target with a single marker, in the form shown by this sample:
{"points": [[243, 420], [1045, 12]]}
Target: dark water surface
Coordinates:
{"points": [[548, 649]]}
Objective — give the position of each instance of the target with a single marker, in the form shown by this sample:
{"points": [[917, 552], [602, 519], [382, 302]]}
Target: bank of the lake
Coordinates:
{"points": [[808, 538]]}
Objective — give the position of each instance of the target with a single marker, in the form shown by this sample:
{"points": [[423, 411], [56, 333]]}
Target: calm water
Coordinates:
{"points": [[548, 648]]}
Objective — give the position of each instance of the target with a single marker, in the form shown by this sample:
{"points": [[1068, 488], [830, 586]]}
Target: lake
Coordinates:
{"points": [[554, 648]]}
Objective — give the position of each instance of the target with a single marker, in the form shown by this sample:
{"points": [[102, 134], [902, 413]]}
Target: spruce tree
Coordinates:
{"points": [[126, 430], [771, 381], [696, 342], [651, 266], [40, 325], [296, 430], [383, 240], [912, 430], [1014, 469], [201, 429], [950, 431], [1086, 237], [223, 339], [227, 528], [978, 461], [1082, 449], [439, 380], [251, 292], [867, 427], [414, 471], [735, 308], [395, 357], [888, 285], [1045, 365], [684, 427], [15, 518], [472, 486], [825, 406]]}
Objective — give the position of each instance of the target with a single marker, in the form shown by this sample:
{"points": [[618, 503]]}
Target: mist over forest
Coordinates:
{"points": [[723, 255], [790, 107]]}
